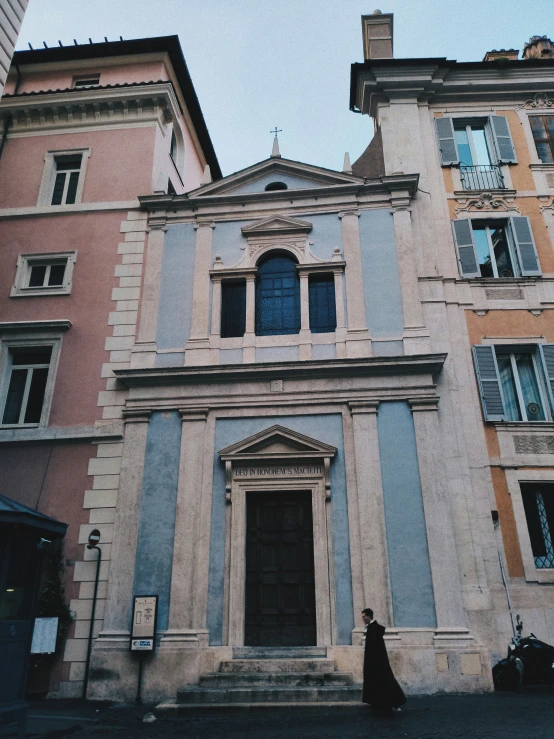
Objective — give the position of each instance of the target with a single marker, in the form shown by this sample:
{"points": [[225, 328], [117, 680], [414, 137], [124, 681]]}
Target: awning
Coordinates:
{"points": [[12, 512]]}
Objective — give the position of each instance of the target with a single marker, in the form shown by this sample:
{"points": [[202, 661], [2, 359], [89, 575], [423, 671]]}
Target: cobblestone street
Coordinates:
{"points": [[528, 715]]}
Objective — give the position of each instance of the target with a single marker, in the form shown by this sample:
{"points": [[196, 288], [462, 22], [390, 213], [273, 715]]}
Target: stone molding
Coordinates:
{"points": [[193, 414], [66, 433], [424, 404], [136, 415], [487, 201], [364, 406], [540, 100]]}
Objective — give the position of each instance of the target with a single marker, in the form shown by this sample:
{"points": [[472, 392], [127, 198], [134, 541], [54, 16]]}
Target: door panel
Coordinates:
{"points": [[280, 588]]}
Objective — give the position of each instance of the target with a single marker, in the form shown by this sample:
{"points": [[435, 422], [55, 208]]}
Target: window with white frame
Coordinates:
{"points": [[538, 502], [26, 381], [516, 382], [496, 248], [44, 274], [542, 127], [63, 177], [478, 146]]}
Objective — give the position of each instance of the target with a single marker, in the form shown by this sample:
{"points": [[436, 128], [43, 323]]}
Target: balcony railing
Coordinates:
{"points": [[482, 177]]}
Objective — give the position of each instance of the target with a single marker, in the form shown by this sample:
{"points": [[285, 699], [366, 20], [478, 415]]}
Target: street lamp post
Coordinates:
{"points": [[93, 541]]}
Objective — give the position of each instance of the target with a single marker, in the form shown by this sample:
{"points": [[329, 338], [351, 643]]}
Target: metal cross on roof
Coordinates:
{"points": [[275, 151]]}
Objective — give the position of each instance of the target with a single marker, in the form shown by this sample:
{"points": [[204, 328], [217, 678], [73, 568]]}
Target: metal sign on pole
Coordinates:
{"points": [[143, 631]]}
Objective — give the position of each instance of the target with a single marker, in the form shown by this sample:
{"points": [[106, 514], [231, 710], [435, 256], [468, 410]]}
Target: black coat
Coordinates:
{"points": [[380, 687]]}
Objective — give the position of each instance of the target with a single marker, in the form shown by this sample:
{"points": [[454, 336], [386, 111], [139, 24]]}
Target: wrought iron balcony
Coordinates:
{"points": [[482, 177]]}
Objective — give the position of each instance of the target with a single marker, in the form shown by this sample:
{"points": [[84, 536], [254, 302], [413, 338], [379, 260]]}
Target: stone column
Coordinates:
{"points": [[371, 512], [340, 331], [440, 531], [216, 306], [197, 347], [357, 336], [416, 336], [187, 529], [305, 333], [150, 297], [249, 341], [117, 616]]}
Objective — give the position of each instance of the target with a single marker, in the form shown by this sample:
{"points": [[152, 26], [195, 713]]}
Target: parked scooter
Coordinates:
{"points": [[529, 662]]}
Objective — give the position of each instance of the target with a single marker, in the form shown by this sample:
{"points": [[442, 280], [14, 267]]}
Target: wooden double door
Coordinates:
{"points": [[280, 587]]}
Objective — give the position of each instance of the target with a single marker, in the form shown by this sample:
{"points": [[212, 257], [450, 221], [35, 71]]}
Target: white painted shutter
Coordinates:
{"points": [[547, 357], [525, 246], [447, 142], [465, 246], [503, 139], [489, 382]]}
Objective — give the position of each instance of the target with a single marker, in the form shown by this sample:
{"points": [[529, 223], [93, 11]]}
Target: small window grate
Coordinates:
{"points": [[538, 502]]}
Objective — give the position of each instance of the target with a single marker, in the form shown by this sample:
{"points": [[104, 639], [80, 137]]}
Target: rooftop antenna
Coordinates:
{"points": [[75, 42], [121, 38], [30, 47], [106, 39], [89, 40], [45, 46], [60, 43], [275, 153]]}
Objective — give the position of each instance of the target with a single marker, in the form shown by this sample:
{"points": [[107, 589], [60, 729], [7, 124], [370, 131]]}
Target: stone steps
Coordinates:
{"points": [[246, 696], [275, 679], [278, 652], [277, 665]]}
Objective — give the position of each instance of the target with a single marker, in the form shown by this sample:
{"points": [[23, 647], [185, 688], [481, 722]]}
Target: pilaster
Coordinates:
{"points": [[249, 348], [120, 586], [371, 513], [358, 342], [151, 284], [182, 628], [197, 348], [305, 333], [449, 607]]}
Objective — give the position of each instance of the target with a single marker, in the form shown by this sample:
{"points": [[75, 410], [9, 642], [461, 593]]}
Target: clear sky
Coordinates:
{"points": [[260, 63]]}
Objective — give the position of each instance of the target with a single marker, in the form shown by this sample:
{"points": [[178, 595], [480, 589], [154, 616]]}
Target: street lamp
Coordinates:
{"points": [[93, 541]]}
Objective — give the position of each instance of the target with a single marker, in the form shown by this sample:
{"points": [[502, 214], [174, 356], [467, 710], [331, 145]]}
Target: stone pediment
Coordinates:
{"points": [[277, 442], [297, 176], [277, 224]]}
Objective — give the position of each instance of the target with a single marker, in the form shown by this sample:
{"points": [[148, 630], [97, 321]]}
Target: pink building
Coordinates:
{"points": [[86, 130]]}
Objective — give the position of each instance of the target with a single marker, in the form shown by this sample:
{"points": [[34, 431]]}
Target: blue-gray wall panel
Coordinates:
{"points": [[410, 571], [171, 359], [326, 234], [387, 348], [383, 297], [324, 351], [326, 428], [277, 354], [177, 278], [228, 241], [156, 532]]}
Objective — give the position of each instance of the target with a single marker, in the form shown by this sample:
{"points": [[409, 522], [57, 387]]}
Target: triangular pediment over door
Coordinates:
{"points": [[277, 443]]}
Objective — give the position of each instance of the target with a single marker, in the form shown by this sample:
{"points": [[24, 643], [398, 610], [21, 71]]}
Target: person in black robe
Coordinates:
{"points": [[380, 688]]}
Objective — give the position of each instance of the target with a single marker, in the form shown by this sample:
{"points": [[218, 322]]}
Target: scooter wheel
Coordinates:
{"points": [[505, 676]]}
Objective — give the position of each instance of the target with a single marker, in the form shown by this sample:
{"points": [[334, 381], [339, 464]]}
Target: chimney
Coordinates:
{"points": [[504, 54], [377, 34], [539, 47]]}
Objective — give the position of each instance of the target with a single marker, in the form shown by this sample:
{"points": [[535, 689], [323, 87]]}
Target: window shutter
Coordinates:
{"points": [[525, 246], [489, 383], [547, 356], [503, 139], [447, 142], [467, 256]]}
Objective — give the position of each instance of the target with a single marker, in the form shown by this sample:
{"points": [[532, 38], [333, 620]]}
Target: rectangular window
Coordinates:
{"points": [[538, 502], [43, 274], [495, 254], [522, 385], [26, 385], [542, 127], [323, 315], [67, 171], [233, 308], [86, 81]]}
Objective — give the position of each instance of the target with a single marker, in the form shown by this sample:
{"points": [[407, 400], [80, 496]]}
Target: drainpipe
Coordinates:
{"points": [[8, 121]]}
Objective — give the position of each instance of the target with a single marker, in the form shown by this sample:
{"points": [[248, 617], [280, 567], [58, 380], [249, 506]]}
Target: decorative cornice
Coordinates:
{"points": [[91, 107], [487, 201], [424, 404], [62, 324], [136, 415], [193, 414], [277, 225], [364, 406], [550, 206]]}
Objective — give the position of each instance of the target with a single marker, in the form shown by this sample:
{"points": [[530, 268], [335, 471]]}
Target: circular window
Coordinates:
{"points": [[276, 186]]}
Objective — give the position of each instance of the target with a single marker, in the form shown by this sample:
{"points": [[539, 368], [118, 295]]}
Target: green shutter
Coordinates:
{"points": [[489, 382], [447, 142], [525, 246], [547, 357], [467, 256], [503, 139]]}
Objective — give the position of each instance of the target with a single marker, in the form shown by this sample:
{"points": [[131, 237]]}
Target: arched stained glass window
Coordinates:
{"points": [[277, 297]]}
